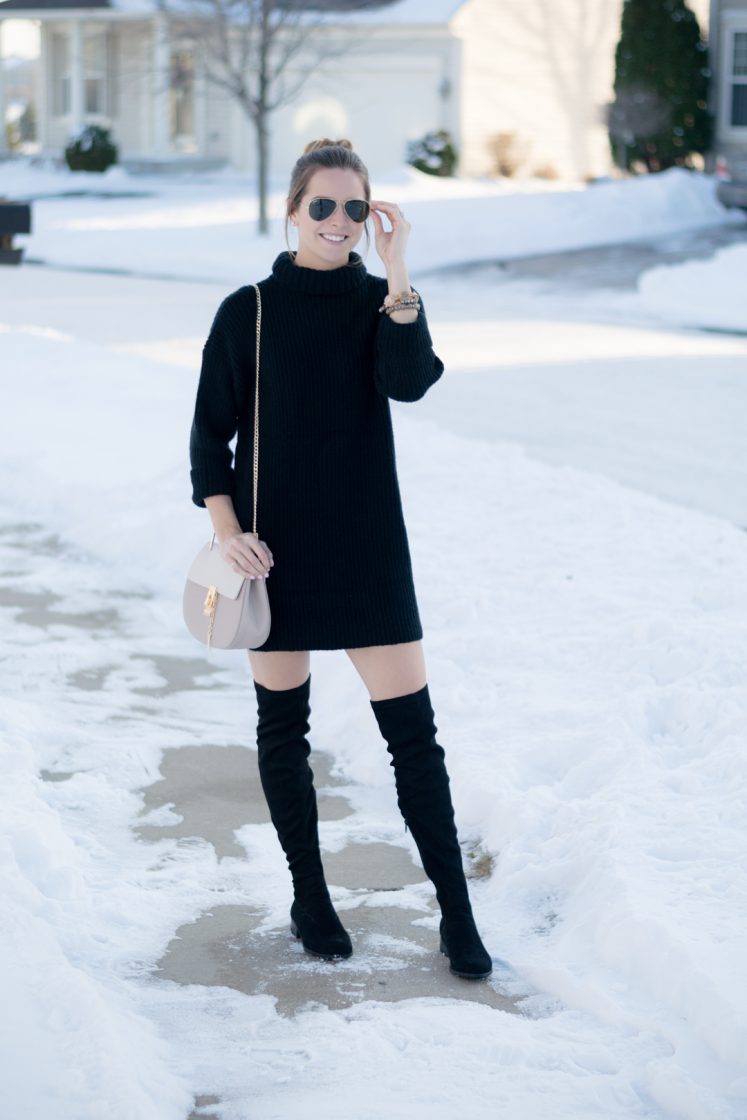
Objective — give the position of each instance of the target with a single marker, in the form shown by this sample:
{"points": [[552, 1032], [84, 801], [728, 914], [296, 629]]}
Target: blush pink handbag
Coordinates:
{"points": [[221, 607]]}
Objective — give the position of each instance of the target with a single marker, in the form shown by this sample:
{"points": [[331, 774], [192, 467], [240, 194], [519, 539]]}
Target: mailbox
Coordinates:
{"points": [[15, 217]]}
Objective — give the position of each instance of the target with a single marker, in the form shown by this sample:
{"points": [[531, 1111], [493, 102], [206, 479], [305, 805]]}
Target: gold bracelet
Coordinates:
{"points": [[403, 307], [400, 301]]}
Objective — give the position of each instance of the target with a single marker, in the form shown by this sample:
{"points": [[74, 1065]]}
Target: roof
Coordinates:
{"points": [[50, 5], [403, 11], [399, 12]]}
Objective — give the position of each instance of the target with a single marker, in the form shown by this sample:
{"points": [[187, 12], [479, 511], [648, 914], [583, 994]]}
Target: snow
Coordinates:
{"points": [[198, 232], [404, 12], [708, 293], [585, 640]]}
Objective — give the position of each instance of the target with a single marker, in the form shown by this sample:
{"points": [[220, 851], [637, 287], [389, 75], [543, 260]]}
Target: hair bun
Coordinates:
{"points": [[327, 143]]}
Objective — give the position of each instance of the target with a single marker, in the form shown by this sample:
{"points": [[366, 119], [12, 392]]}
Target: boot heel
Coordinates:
{"points": [[470, 959], [319, 929]]}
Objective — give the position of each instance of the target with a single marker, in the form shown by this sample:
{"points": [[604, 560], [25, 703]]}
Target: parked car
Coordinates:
{"points": [[732, 176]]}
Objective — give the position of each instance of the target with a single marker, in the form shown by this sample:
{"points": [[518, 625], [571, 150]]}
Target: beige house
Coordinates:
{"points": [[520, 81]]}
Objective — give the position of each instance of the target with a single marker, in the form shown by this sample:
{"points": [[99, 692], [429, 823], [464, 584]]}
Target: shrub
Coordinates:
{"points": [[434, 153], [91, 150], [507, 152], [546, 171]]}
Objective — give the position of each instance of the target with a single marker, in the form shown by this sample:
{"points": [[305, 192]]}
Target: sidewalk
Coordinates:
{"points": [[206, 795], [376, 885]]}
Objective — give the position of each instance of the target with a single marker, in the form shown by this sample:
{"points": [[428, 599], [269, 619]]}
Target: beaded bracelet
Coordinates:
{"points": [[402, 301], [413, 306]]}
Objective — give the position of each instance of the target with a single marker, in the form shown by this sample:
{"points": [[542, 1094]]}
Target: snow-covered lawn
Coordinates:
{"points": [[586, 644], [204, 227], [710, 293]]}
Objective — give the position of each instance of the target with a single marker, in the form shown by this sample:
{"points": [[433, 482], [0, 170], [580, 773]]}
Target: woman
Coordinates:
{"points": [[336, 343]]}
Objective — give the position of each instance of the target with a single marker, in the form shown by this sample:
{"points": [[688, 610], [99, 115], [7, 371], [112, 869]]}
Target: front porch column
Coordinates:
{"points": [[3, 141], [41, 88], [76, 77], [161, 83], [199, 94]]}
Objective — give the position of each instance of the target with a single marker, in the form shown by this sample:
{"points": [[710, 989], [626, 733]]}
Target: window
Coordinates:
{"points": [[181, 97], [94, 69], [99, 47], [738, 114], [59, 50], [112, 76]]}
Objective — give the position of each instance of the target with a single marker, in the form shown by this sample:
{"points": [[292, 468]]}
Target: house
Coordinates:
{"points": [[728, 43], [520, 84], [134, 67]]}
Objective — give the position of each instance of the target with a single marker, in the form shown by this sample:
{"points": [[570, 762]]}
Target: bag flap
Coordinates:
{"points": [[209, 569]]}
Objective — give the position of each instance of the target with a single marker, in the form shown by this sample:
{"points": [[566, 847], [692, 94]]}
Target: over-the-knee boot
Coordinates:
{"points": [[424, 798], [287, 780]]}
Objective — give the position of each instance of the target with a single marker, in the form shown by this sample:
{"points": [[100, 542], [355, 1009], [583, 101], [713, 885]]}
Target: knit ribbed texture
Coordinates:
{"points": [[329, 504]]}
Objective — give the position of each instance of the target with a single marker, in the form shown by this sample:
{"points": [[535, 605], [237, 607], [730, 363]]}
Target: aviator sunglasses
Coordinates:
{"points": [[355, 208]]}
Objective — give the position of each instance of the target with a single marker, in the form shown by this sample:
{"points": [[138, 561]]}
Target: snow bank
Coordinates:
{"points": [[711, 293], [204, 227], [72, 1046]]}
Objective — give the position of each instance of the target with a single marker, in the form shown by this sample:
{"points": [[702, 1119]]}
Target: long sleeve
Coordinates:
{"points": [[221, 390], [405, 365]]}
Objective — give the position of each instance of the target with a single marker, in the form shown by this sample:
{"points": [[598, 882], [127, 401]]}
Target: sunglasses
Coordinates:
{"points": [[355, 208]]}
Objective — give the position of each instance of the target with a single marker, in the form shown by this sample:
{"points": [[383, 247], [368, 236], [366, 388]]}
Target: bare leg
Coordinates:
{"points": [[389, 671], [278, 669]]}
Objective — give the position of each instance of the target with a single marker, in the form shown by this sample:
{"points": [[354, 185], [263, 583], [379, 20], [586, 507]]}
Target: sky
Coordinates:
{"points": [[19, 38]]}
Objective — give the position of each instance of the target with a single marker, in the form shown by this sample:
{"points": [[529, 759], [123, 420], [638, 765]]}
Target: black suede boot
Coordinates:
{"points": [[424, 798], [287, 780]]}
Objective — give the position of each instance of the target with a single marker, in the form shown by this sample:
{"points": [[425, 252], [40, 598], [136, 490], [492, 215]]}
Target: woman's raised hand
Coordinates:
{"points": [[247, 555], [390, 245]]}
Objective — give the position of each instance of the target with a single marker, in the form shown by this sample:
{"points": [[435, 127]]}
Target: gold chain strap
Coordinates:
{"points": [[211, 599], [256, 410]]}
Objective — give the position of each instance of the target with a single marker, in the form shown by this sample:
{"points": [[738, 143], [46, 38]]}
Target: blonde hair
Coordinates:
{"points": [[321, 154]]}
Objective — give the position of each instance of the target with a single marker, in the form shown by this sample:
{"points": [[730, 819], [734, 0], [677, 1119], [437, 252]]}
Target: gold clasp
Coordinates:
{"points": [[208, 608], [211, 600]]}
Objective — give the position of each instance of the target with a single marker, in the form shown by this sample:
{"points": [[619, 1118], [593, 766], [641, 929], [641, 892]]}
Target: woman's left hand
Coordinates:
{"points": [[390, 245]]}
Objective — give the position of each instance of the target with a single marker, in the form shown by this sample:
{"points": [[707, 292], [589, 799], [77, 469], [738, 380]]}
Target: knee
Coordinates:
{"points": [[280, 671], [278, 687]]}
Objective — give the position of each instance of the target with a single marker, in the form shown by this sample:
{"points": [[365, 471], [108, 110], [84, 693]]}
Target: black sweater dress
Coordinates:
{"points": [[328, 503]]}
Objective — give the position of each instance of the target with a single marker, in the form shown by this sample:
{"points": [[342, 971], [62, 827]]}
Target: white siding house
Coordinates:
{"points": [[537, 71], [544, 71], [130, 66]]}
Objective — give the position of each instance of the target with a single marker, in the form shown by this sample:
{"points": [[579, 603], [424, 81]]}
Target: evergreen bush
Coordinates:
{"points": [[91, 150], [660, 116]]}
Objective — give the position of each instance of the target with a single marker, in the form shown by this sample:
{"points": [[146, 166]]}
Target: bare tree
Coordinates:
{"points": [[569, 37], [248, 47]]}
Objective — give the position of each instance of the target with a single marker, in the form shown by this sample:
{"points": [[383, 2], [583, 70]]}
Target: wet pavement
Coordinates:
{"points": [[394, 955], [200, 792], [616, 266]]}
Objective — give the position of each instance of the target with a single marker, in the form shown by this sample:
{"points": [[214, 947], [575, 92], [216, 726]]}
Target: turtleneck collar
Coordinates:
{"points": [[320, 281]]}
